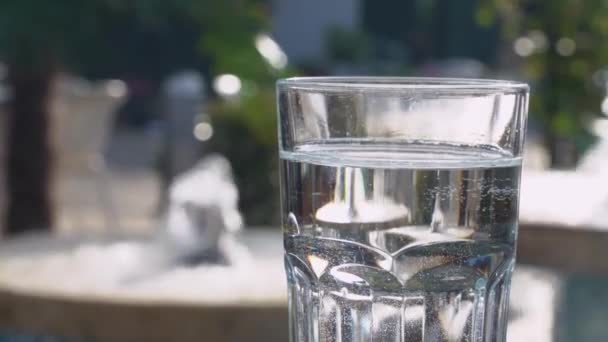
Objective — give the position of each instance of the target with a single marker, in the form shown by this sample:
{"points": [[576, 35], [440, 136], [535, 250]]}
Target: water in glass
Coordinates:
{"points": [[400, 241]]}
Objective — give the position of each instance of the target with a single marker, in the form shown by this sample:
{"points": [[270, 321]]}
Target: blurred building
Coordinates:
{"points": [[427, 30], [300, 27]]}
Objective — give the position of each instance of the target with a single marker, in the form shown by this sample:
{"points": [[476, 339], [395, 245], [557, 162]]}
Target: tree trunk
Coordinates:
{"points": [[28, 150]]}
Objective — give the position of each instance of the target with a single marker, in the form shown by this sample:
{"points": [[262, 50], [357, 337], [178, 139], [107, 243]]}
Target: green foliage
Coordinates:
{"points": [[255, 112], [229, 28], [29, 30], [347, 46], [254, 167], [32, 29], [245, 132], [563, 96]]}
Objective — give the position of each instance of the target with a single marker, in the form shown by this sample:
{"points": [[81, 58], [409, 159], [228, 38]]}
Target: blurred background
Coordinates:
{"points": [[106, 105]]}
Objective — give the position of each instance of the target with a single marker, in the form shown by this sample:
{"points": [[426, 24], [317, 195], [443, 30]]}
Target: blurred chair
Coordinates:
{"points": [[83, 114]]}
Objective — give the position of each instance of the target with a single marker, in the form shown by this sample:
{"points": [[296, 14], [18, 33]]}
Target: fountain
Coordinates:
{"points": [[201, 266], [203, 215]]}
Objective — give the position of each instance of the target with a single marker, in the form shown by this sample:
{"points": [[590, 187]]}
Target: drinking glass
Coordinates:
{"points": [[399, 206]]}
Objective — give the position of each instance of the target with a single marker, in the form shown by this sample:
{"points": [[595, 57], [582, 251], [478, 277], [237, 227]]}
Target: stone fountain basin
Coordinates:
{"points": [[90, 287], [105, 289], [119, 269]]}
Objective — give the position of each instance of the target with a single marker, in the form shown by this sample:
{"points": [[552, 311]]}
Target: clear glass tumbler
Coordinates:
{"points": [[400, 206]]}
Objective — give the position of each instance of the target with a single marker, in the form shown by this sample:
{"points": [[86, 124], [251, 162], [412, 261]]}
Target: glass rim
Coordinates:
{"points": [[433, 84]]}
